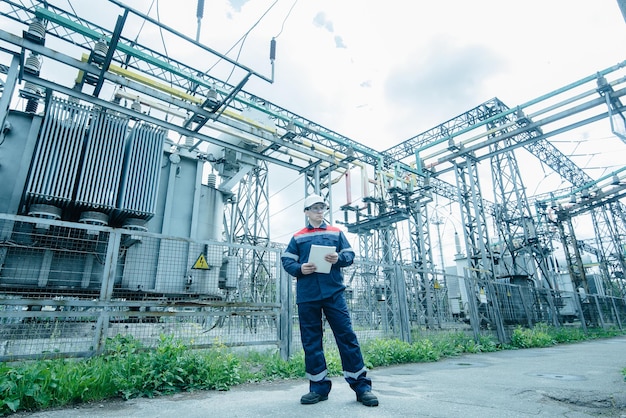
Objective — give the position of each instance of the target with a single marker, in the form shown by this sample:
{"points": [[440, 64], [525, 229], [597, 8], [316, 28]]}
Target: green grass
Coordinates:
{"points": [[129, 370]]}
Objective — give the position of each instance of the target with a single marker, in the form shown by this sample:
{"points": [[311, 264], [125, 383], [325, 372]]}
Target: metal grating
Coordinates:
{"points": [[65, 289], [51, 260], [56, 159], [142, 168], [101, 171]]}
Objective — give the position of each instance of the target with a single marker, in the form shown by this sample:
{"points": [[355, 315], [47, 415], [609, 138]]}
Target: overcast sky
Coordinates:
{"points": [[380, 72]]}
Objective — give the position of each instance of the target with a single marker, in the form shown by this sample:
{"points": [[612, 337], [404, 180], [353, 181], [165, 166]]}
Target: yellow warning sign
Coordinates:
{"points": [[201, 263]]}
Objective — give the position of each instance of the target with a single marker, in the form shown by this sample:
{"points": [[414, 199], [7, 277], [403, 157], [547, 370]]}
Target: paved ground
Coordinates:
{"points": [[576, 380]]}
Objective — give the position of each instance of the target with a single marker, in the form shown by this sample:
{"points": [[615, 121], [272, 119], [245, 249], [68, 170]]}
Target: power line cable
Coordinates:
{"points": [[242, 41], [285, 19], [144, 21], [288, 185], [161, 31], [286, 207]]}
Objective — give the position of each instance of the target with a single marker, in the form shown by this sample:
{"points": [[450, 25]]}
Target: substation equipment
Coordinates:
{"points": [[155, 200]]}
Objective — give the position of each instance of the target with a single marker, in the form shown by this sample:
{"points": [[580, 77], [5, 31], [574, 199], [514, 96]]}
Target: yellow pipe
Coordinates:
{"points": [[144, 101], [126, 95], [258, 142], [336, 154], [131, 75], [185, 96]]}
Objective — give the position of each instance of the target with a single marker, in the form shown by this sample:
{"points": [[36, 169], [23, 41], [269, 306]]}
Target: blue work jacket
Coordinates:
{"points": [[317, 286]]}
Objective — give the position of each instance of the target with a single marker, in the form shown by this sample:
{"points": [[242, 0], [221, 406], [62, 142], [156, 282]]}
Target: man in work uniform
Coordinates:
{"points": [[318, 293]]}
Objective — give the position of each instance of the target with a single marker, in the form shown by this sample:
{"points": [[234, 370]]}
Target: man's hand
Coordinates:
{"points": [[332, 258], [308, 268]]}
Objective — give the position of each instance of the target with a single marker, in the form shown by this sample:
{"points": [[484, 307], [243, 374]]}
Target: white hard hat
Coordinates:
{"points": [[313, 199]]}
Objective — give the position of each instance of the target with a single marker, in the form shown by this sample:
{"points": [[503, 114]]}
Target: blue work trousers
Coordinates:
{"points": [[336, 312]]}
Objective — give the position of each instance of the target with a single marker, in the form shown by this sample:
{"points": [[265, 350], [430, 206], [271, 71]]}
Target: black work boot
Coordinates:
{"points": [[311, 398], [367, 399]]}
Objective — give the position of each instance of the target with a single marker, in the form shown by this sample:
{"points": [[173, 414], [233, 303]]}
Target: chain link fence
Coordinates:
{"points": [[392, 301], [66, 287]]}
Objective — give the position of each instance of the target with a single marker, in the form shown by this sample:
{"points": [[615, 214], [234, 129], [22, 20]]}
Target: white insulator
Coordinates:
{"points": [[615, 180], [101, 47], [32, 88], [32, 64], [212, 180], [37, 28]]}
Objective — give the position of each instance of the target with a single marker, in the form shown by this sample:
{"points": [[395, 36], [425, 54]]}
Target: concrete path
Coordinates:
{"points": [[573, 380]]}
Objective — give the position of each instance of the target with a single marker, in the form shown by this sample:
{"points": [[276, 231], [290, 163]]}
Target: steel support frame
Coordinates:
{"points": [[480, 258], [389, 249], [617, 258], [571, 250], [423, 261], [605, 240], [514, 221], [250, 225]]}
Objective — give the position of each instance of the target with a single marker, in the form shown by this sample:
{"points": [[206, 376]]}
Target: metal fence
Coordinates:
{"points": [[392, 301], [67, 287]]}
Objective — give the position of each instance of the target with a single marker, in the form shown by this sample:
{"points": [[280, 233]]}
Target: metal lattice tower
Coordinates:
{"points": [[380, 247], [607, 218], [617, 258], [368, 272], [605, 241], [571, 249], [480, 258], [422, 258], [389, 249], [250, 225], [474, 220], [515, 224]]}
